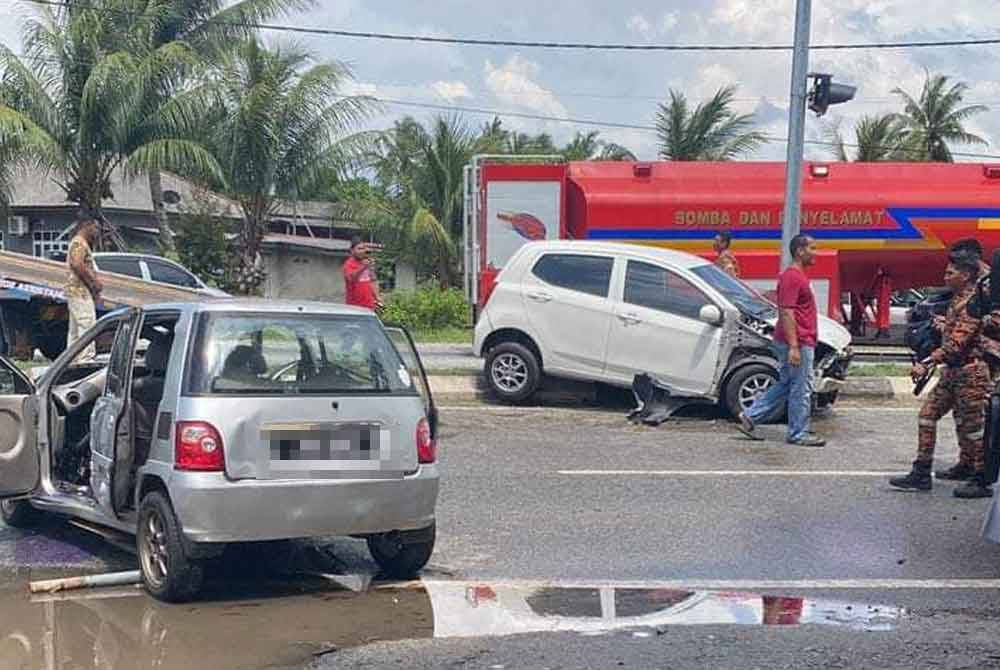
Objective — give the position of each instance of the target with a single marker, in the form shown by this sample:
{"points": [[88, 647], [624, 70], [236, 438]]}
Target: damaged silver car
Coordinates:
{"points": [[200, 425]]}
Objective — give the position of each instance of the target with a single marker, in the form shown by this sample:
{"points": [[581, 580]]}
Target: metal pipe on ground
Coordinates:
{"points": [[87, 581]]}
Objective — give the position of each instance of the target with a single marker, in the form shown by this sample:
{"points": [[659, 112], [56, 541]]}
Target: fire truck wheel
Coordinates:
{"points": [[513, 372], [746, 384]]}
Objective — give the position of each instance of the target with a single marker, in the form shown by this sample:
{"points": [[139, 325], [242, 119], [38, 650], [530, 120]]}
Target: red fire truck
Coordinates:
{"points": [[881, 227]]}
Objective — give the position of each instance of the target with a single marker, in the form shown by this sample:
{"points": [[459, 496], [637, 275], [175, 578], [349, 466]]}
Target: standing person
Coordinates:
{"points": [[726, 259], [83, 287], [963, 388], [360, 282], [795, 338]]}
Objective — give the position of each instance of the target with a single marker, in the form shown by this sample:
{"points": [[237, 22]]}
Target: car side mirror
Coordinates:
{"points": [[711, 315]]}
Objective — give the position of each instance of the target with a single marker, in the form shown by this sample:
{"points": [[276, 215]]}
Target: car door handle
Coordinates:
{"points": [[539, 296], [629, 319]]}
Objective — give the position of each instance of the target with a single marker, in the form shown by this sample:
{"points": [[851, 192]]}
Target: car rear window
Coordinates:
{"points": [[294, 354]]}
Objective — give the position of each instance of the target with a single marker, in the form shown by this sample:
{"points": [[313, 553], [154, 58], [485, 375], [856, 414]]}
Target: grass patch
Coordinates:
{"points": [[880, 370], [444, 336]]}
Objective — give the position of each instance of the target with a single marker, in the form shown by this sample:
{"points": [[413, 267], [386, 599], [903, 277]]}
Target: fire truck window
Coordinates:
{"points": [[586, 274], [656, 288]]}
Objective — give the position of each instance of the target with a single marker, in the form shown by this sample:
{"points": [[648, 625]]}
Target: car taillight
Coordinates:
{"points": [[426, 448], [198, 447]]}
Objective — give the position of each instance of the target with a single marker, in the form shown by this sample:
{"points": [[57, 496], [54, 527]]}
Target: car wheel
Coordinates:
{"points": [[513, 372], [167, 572], [19, 513], [746, 385], [398, 559]]}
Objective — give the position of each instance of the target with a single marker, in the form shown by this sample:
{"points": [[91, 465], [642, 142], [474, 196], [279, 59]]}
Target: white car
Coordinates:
{"points": [[153, 268], [605, 312]]}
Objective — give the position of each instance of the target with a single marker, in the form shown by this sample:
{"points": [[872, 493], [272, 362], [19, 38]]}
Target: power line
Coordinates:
{"points": [[627, 126], [578, 46]]}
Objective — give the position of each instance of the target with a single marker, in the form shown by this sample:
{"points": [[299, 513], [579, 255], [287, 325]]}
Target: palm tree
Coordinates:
{"points": [[877, 138], [275, 126], [588, 146], [711, 132], [936, 119], [207, 27], [79, 103]]}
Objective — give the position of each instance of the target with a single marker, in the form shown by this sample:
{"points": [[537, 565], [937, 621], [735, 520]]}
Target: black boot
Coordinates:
{"points": [[919, 478], [958, 472], [974, 488]]}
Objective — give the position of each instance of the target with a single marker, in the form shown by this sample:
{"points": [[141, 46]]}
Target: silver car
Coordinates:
{"points": [[199, 425]]}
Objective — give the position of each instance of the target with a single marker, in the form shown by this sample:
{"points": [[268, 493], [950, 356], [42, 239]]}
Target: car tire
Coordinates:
{"points": [[19, 514], [167, 571], [513, 372], [745, 384], [400, 560]]}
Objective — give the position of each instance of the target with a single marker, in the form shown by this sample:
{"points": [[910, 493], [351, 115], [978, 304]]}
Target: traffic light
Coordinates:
{"points": [[826, 93]]}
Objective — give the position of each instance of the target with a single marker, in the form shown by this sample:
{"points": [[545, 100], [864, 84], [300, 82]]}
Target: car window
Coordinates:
{"points": [[279, 354], [654, 287], [122, 266], [586, 274], [121, 360], [169, 274]]}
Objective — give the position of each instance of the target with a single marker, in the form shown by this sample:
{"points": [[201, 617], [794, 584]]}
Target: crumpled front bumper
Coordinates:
{"points": [[831, 372]]}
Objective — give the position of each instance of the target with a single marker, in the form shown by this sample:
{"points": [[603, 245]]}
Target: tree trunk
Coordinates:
{"points": [[165, 239]]}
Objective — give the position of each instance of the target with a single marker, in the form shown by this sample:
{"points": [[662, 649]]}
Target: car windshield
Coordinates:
{"points": [[278, 354], [743, 296]]}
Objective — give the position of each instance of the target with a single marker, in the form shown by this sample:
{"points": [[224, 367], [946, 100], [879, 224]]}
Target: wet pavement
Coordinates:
{"points": [[574, 539], [275, 621]]}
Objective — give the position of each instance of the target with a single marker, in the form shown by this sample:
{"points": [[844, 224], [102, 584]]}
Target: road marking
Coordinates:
{"points": [[739, 584], [729, 473]]}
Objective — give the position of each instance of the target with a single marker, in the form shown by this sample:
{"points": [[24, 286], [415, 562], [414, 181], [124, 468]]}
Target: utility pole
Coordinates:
{"points": [[796, 128]]}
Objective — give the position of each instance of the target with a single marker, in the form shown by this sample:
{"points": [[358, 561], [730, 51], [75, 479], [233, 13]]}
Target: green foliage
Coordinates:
{"points": [[937, 119], [202, 246], [712, 131], [427, 309]]}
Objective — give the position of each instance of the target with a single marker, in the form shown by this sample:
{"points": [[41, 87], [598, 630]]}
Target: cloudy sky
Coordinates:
{"points": [[625, 87]]}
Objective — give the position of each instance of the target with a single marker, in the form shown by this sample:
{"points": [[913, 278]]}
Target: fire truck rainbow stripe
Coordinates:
{"points": [[912, 224]]}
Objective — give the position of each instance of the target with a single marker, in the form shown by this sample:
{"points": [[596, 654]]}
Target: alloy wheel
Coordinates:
{"points": [[754, 387], [153, 550], [509, 372]]}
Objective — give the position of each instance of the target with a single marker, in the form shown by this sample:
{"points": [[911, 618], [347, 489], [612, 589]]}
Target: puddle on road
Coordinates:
{"points": [[287, 622]]}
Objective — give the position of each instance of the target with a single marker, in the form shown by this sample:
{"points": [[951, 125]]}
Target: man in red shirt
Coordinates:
{"points": [[360, 282], [795, 340]]}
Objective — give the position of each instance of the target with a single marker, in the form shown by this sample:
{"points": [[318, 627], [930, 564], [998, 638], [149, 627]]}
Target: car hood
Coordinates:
{"points": [[830, 333]]}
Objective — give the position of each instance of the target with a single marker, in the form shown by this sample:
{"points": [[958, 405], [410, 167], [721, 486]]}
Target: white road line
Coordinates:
{"points": [[729, 473], [743, 584]]}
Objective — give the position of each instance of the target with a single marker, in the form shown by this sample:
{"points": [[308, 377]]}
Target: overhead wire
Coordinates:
{"points": [[548, 44], [535, 116]]}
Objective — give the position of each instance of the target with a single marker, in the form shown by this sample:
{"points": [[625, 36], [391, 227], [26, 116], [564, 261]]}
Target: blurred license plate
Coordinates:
{"points": [[326, 450]]}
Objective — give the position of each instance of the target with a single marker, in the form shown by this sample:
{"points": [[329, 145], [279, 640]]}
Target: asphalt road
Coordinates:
{"points": [[538, 498]]}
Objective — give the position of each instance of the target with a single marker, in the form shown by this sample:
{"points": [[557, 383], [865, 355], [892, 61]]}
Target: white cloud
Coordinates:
{"points": [[639, 24], [515, 83], [669, 21], [451, 90], [351, 87]]}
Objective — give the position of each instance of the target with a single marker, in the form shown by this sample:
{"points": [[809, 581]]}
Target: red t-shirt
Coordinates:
{"points": [[359, 292], [795, 293]]}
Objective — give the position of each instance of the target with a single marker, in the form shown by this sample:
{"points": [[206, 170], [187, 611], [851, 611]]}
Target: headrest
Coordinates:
{"points": [[158, 353], [245, 358]]}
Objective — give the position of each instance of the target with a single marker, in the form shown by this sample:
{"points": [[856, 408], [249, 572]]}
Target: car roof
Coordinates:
{"points": [[125, 254], [674, 257], [258, 305]]}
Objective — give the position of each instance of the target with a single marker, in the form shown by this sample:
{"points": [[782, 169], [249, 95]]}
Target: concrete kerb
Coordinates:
{"points": [[472, 388]]}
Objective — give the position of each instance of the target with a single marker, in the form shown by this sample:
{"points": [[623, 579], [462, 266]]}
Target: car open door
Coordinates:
{"points": [[408, 350], [19, 463], [111, 422]]}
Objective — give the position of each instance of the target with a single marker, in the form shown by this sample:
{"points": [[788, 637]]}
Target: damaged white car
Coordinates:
{"points": [[606, 312]]}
